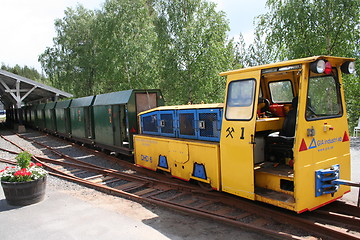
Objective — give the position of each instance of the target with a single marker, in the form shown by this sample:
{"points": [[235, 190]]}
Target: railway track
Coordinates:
{"points": [[336, 221]]}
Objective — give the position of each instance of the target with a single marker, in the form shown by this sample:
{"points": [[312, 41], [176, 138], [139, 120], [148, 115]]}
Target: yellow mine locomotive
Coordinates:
{"points": [[281, 137]]}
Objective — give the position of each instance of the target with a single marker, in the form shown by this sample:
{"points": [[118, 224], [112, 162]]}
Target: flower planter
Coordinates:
{"points": [[24, 193]]}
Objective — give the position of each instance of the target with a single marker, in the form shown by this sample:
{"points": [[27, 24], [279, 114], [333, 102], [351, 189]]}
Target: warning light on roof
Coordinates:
{"points": [[328, 68]]}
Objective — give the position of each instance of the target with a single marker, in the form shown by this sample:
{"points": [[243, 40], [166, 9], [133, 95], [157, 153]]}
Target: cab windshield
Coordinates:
{"points": [[324, 99]]}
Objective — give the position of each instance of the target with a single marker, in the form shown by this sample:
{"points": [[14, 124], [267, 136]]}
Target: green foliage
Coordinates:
{"points": [[178, 46], [306, 28], [125, 34], [192, 49], [295, 29], [71, 63], [352, 93], [258, 53], [23, 159]]}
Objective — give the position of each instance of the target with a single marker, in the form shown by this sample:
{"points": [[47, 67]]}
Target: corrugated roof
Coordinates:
{"points": [[30, 90], [82, 102], [121, 97], [50, 105], [40, 106], [186, 107], [333, 60], [63, 104]]}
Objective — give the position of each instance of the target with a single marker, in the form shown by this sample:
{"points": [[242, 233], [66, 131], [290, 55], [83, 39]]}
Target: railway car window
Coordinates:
{"points": [[281, 92], [324, 99], [240, 100], [145, 101]]}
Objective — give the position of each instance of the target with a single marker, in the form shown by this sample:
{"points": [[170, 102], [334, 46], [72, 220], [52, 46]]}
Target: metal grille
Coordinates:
{"points": [[208, 125], [186, 124], [202, 124], [166, 123], [149, 123]]}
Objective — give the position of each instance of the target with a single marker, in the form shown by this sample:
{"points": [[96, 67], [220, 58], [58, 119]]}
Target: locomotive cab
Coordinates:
{"points": [[283, 150], [281, 136]]}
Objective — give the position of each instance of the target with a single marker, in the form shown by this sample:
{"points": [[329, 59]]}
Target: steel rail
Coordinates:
{"points": [[343, 208], [152, 200], [337, 217], [317, 228], [111, 172], [180, 208], [122, 163]]}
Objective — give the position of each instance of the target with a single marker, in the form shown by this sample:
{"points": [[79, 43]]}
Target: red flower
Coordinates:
{"points": [[23, 172], [32, 164], [39, 164]]}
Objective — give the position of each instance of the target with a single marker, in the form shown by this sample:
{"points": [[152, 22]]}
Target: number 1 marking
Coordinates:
{"points": [[242, 133]]}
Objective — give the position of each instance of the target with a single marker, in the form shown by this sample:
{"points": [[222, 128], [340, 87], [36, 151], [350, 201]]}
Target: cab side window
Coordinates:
{"points": [[281, 91], [240, 100]]}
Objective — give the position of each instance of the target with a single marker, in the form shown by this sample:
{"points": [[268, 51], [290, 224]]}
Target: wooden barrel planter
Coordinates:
{"points": [[24, 193]]}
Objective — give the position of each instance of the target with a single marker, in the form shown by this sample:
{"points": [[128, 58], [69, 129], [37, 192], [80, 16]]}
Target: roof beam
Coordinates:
{"points": [[21, 90], [15, 89], [7, 88], [27, 94], [17, 97]]}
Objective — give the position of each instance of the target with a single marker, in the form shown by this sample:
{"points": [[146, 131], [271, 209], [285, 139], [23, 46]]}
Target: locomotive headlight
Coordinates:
{"points": [[348, 67], [318, 66]]}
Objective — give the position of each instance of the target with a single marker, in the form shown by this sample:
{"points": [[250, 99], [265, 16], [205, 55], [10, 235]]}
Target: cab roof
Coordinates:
{"points": [[335, 61], [185, 107]]}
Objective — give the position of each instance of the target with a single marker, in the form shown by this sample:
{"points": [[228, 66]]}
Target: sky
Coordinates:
{"points": [[27, 26]]}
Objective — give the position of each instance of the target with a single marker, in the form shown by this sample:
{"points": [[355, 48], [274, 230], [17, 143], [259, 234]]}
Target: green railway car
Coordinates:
{"points": [[107, 121], [32, 115], [40, 116], [27, 115], [50, 120], [115, 117], [81, 118], [10, 116], [62, 113]]}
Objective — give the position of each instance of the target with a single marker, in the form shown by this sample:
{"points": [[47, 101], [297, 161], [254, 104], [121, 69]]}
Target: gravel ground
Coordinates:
{"points": [[173, 225], [169, 223], [352, 197]]}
